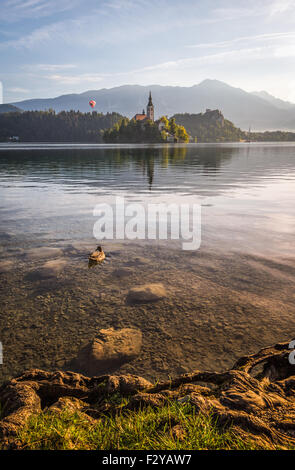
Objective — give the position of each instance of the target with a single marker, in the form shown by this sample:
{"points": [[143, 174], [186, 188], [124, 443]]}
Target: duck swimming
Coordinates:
{"points": [[98, 255]]}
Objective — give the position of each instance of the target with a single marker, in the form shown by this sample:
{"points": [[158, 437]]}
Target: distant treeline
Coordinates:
{"points": [[47, 126], [272, 136], [75, 126], [213, 127]]}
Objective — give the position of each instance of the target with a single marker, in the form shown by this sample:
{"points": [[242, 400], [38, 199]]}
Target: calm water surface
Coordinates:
{"points": [[236, 292], [247, 192]]}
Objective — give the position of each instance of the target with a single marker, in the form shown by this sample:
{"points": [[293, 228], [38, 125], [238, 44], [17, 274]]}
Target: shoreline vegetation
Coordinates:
{"points": [[78, 127], [132, 131], [230, 410]]}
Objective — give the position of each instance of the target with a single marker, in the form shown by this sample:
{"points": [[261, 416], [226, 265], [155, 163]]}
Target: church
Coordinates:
{"points": [[149, 112]]}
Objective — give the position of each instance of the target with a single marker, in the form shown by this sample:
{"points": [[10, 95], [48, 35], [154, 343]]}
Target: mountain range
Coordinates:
{"points": [[258, 110]]}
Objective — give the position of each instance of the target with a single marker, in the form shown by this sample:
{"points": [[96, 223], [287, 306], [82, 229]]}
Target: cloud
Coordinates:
{"points": [[18, 90], [179, 64], [48, 67], [246, 39], [122, 4], [269, 45], [76, 79], [16, 10], [38, 36], [280, 6], [229, 13], [220, 57], [271, 9], [284, 51], [112, 23], [87, 30]]}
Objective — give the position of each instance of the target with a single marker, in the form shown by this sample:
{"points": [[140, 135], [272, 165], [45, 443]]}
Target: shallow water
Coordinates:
{"points": [[232, 296]]}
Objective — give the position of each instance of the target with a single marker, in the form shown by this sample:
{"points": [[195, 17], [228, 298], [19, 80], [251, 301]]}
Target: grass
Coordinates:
{"points": [[146, 429]]}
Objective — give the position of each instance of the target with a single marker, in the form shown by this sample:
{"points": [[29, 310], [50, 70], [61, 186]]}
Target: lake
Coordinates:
{"points": [[232, 296]]}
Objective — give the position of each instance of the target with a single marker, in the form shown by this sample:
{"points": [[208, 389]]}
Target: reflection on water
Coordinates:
{"points": [[247, 192], [84, 165]]}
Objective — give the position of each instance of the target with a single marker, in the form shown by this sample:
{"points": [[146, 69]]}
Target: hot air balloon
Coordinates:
{"points": [[92, 103]]}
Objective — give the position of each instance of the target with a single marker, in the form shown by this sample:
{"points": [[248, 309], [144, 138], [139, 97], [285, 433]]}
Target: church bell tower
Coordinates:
{"points": [[150, 109]]}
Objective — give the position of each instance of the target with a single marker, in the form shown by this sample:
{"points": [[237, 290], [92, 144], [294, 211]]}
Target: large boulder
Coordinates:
{"points": [[108, 350], [122, 272], [146, 293]]}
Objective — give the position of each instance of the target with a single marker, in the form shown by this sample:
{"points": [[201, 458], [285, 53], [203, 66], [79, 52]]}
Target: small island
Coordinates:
{"points": [[142, 128]]}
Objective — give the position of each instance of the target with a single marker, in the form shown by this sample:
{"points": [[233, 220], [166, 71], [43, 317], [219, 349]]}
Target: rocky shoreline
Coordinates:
{"points": [[256, 397]]}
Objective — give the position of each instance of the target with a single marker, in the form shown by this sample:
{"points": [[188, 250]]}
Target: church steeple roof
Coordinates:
{"points": [[150, 103]]}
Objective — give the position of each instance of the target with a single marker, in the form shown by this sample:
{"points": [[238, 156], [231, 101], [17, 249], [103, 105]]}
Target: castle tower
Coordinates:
{"points": [[150, 109]]}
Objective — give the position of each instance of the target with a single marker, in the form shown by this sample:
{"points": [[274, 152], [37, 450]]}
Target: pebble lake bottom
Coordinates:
{"points": [[231, 297]]}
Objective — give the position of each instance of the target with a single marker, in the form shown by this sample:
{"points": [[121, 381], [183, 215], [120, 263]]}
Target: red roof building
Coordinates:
{"points": [[140, 117]]}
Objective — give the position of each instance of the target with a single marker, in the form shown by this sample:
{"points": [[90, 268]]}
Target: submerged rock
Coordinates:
{"points": [[5, 266], [122, 272], [146, 293], [40, 253], [109, 349], [48, 270], [6, 236], [138, 260]]}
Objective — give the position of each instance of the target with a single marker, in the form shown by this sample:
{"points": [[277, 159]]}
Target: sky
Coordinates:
{"points": [[54, 47]]}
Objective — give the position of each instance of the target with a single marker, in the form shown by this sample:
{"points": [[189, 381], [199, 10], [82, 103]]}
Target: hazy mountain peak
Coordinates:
{"points": [[280, 104], [213, 83], [263, 93]]}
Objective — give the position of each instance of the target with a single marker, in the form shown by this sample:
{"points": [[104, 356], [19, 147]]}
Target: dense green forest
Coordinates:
{"points": [[209, 127], [132, 131], [47, 126]]}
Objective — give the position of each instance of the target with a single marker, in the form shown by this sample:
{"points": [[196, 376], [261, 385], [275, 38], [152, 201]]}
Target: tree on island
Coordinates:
{"points": [[210, 126], [132, 131]]}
